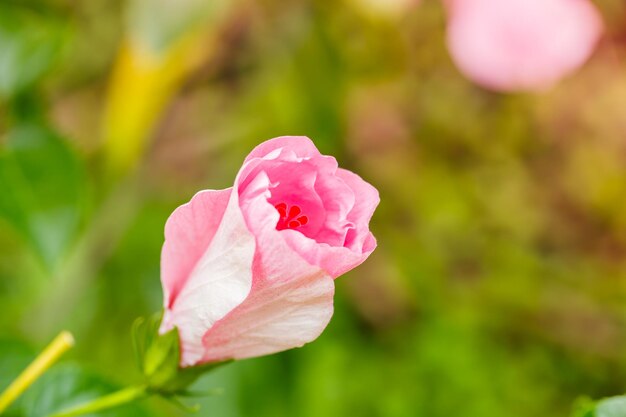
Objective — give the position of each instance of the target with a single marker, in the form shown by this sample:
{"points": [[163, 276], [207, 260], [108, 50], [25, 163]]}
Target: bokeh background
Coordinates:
{"points": [[499, 284]]}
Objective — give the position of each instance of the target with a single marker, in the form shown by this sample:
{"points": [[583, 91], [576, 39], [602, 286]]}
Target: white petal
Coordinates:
{"points": [[219, 282]]}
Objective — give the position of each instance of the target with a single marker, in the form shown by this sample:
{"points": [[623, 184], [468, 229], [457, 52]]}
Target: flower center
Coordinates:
{"points": [[290, 217]]}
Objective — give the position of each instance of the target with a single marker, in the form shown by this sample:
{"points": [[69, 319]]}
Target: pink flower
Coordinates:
{"points": [[517, 45], [249, 270]]}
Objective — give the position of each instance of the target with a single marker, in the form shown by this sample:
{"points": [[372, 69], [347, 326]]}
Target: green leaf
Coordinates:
{"points": [[67, 386], [61, 387], [161, 360], [29, 46], [158, 356], [42, 185]]}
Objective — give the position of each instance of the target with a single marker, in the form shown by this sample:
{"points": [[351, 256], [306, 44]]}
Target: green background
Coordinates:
{"points": [[499, 284]]}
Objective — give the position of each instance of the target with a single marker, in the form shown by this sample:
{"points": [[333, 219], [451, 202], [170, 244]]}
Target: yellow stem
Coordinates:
{"points": [[63, 342]]}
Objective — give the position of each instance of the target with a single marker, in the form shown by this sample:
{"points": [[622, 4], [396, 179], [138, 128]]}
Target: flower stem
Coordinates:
{"points": [[63, 342], [115, 399]]}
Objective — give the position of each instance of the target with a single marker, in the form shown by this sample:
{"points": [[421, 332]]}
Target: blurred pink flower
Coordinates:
{"points": [[521, 45], [248, 271]]}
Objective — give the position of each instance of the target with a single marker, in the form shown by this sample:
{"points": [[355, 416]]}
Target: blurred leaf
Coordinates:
{"points": [[584, 407], [67, 386], [29, 46], [14, 357], [609, 407], [42, 185], [158, 23], [61, 387]]}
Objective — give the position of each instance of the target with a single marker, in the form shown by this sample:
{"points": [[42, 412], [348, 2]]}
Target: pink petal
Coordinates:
{"points": [[335, 260], [220, 276], [301, 146], [338, 199], [367, 199], [188, 232], [282, 312], [290, 303], [359, 241]]}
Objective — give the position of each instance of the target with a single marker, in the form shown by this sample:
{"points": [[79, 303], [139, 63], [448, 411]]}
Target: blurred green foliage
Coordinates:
{"points": [[65, 386], [43, 186], [30, 45], [498, 288]]}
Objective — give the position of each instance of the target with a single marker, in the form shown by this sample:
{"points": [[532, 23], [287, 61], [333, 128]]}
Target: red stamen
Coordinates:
{"points": [[289, 217], [282, 209], [294, 211]]}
